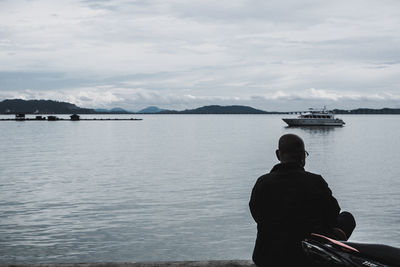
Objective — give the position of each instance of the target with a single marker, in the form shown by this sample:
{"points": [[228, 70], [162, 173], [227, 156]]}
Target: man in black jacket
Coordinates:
{"points": [[288, 204]]}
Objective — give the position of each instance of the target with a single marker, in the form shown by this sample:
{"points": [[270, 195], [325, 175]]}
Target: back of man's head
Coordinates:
{"points": [[291, 149]]}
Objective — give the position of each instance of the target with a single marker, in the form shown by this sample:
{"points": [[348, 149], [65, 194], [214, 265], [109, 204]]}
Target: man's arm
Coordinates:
{"points": [[252, 204], [255, 201], [332, 208]]}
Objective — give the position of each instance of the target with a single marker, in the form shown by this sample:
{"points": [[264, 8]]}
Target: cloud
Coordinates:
{"points": [[219, 49], [116, 36], [325, 95]]}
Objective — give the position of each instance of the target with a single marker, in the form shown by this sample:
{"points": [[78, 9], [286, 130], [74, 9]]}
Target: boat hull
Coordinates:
{"points": [[314, 122]]}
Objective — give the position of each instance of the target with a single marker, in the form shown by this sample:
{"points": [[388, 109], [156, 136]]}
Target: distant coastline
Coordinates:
{"points": [[14, 106]]}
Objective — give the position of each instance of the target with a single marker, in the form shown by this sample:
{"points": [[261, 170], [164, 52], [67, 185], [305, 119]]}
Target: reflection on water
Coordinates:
{"points": [[315, 129]]}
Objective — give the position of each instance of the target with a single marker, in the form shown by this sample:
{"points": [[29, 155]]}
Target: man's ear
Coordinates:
{"points": [[277, 154]]}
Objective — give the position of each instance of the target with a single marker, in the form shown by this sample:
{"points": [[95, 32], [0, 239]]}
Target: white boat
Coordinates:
{"points": [[315, 118]]}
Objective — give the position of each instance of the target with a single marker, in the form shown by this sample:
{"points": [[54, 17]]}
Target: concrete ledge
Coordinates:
{"points": [[222, 263]]}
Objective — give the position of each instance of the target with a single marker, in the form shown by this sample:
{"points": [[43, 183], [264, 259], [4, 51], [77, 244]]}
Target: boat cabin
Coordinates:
{"points": [[314, 116]]}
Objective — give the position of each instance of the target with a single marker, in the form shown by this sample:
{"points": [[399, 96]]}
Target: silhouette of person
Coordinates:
{"points": [[288, 204]]}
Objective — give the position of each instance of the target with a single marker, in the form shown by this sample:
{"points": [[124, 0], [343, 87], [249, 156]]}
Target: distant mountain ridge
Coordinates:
{"points": [[11, 106], [216, 109], [151, 109], [40, 106], [113, 110], [368, 111]]}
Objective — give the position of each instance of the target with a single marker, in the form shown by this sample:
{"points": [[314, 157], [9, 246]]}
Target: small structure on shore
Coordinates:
{"points": [[40, 118], [52, 118], [20, 117], [74, 117]]}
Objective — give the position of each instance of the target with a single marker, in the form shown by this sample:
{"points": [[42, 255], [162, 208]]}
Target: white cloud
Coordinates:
{"points": [[218, 49]]}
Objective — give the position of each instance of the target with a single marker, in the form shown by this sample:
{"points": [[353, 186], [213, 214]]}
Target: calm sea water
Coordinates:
{"points": [[176, 187]]}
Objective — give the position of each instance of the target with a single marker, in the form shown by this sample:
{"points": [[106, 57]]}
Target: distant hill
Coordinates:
{"points": [[113, 111], [51, 107], [10, 106], [119, 110], [102, 110], [151, 109], [40, 106], [215, 109], [236, 109], [368, 111]]}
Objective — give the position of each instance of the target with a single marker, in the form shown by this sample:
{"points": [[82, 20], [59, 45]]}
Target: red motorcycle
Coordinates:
{"points": [[324, 251]]}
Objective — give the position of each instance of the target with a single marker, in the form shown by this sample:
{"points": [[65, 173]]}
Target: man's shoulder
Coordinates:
{"points": [[316, 178], [277, 175], [314, 175], [265, 179]]}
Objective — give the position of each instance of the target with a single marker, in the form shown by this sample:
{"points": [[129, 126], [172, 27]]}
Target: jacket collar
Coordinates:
{"points": [[287, 166]]}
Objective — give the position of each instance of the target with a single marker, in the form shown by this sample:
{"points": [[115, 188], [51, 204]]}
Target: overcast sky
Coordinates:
{"points": [[275, 55]]}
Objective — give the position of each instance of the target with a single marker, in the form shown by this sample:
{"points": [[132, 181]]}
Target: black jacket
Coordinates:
{"points": [[288, 204]]}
